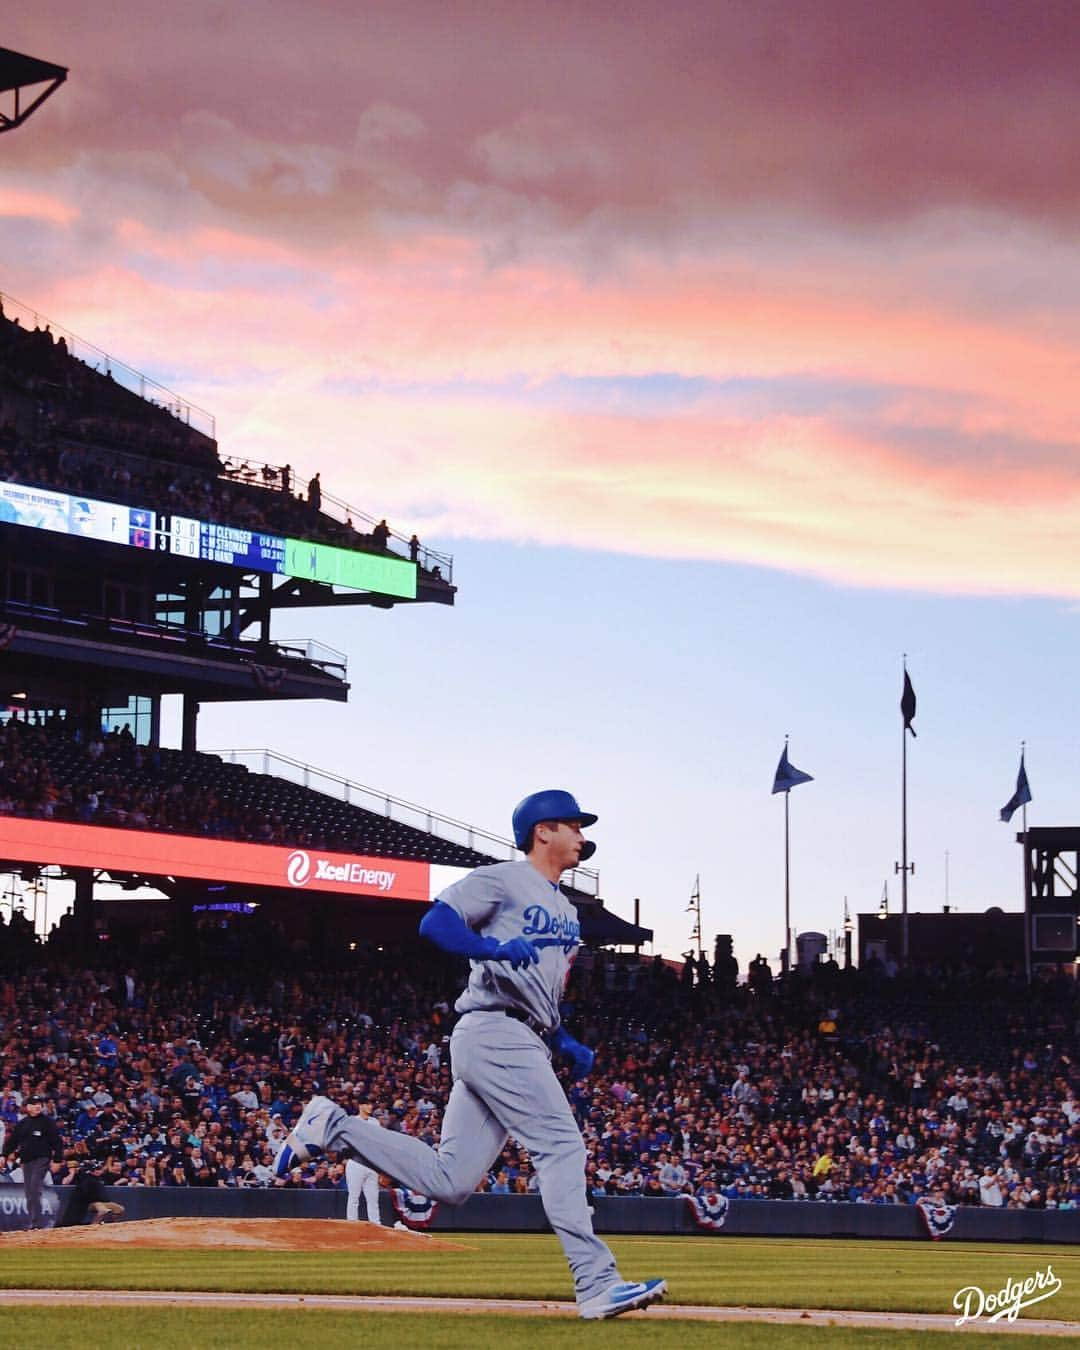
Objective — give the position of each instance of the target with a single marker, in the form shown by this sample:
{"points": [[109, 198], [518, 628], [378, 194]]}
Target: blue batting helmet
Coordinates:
{"points": [[551, 804]]}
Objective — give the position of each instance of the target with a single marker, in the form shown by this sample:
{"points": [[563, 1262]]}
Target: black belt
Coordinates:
{"points": [[521, 1016]]}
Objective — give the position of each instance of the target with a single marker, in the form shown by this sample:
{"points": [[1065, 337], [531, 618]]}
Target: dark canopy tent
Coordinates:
{"points": [[601, 926], [19, 72]]}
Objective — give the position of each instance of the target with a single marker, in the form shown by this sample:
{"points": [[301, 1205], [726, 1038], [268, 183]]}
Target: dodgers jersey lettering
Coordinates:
{"points": [[509, 900]]}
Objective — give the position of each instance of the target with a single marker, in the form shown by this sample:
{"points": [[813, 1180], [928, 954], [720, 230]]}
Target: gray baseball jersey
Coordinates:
{"points": [[509, 900]]}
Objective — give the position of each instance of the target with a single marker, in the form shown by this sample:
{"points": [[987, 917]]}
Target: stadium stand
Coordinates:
{"points": [[184, 1068]]}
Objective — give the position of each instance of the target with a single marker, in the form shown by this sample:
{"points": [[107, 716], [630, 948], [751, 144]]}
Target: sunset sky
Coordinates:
{"points": [[733, 350]]}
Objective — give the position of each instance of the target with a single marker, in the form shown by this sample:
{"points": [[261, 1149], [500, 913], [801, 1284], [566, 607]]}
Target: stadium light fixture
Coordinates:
{"points": [[19, 73]]}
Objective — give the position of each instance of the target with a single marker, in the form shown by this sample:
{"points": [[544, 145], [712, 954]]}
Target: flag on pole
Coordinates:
{"points": [[1021, 796], [907, 703], [788, 776]]}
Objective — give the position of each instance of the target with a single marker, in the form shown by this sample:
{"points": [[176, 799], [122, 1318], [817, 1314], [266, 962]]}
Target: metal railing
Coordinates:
{"points": [[316, 653], [271, 477], [133, 381], [264, 761]]}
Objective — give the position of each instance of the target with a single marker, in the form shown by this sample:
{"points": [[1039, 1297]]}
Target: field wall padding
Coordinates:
{"points": [[612, 1214]]}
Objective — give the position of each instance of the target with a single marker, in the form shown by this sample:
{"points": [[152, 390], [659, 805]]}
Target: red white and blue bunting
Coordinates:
{"points": [[709, 1211], [413, 1209], [268, 678], [938, 1217]]}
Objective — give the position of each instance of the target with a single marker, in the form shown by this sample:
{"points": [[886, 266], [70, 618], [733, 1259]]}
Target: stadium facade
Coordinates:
{"points": [[139, 563]]}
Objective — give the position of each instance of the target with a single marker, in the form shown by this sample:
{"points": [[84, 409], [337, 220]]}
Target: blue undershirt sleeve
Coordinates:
{"points": [[447, 929]]}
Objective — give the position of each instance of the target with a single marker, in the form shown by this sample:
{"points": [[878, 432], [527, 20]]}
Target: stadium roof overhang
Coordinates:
{"points": [[19, 73], [352, 918], [113, 654]]}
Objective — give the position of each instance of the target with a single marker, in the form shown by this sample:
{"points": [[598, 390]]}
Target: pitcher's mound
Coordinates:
{"points": [[280, 1235]]}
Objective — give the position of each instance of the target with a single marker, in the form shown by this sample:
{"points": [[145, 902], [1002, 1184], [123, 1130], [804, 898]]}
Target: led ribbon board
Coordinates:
{"points": [[300, 558], [355, 571], [207, 541], [227, 544], [150, 854], [82, 517], [287, 557]]}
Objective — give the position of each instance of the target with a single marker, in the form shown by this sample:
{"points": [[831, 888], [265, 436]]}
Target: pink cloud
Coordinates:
{"points": [[522, 130], [33, 205], [445, 208], [839, 494], [836, 107], [784, 493]]}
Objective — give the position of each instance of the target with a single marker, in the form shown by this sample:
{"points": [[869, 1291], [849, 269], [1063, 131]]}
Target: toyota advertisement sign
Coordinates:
{"points": [[179, 855]]}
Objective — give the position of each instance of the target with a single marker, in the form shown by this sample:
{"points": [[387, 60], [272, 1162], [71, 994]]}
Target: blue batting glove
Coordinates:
{"points": [[580, 1056], [518, 951], [582, 1062]]}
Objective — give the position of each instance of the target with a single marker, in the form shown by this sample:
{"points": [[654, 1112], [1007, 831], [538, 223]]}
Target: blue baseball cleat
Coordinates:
{"points": [[622, 1298], [307, 1136]]}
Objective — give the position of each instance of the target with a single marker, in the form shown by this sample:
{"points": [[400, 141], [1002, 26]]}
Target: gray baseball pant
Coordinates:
{"points": [[33, 1184], [503, 1085]]}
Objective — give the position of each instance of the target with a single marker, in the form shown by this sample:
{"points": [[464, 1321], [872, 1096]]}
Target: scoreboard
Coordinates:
{"points": [[226, 544], [206, 541]]}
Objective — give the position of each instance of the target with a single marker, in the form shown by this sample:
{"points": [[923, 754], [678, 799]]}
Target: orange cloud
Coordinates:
{"points": [[960, 474], [782, 492], [36, 205]]}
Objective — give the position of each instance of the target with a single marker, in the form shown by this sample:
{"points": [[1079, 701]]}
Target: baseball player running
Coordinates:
{"points": [[521, 935]]}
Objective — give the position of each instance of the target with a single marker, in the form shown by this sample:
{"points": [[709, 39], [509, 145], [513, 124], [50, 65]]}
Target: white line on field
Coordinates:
{"points": [[820, 1317]]}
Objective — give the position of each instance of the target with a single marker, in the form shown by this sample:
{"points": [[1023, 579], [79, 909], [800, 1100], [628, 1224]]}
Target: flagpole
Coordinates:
{"points": [[787, 777], [903, 866], [1027, 902], [787, 885], [903, 851], [1023, 747]]}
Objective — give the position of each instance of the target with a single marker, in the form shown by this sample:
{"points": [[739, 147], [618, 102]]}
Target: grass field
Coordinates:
{"points": [[879, 1276], [767, 1272], [180, 1329]]}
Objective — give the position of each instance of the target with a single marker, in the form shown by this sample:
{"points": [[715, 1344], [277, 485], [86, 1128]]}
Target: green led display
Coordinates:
{"points": [[343, 567]]}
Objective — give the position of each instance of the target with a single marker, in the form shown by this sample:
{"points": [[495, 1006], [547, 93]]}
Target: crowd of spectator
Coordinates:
{"points": [[80, 432], [68, 396], [840, 1087]]}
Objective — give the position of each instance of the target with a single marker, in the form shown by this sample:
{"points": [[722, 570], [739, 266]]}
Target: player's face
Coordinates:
{"points": [[566, 841]]}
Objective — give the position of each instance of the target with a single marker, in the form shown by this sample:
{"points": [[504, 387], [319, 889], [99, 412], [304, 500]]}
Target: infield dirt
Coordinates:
{"points": [[281, 1235]]}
